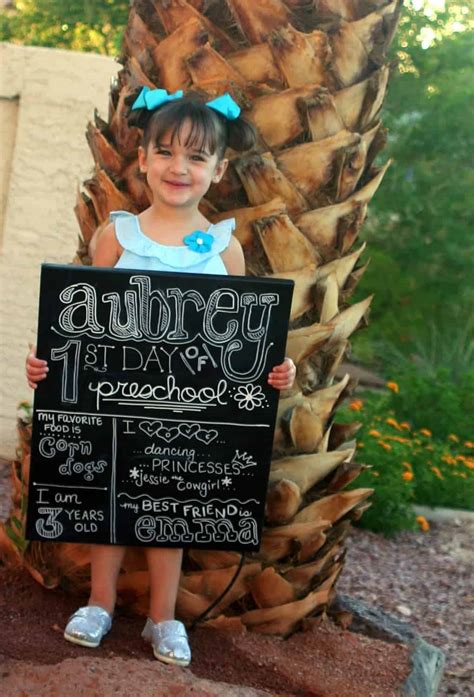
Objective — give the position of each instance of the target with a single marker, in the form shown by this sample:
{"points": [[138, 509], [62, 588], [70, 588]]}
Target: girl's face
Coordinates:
{"points": [[178, 173]]}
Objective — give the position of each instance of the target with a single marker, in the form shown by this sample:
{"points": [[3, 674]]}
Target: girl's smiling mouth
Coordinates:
{"points": [[176, 183]]}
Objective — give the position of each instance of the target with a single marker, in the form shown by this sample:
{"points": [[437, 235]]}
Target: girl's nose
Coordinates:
{"points": [[178, 164]]}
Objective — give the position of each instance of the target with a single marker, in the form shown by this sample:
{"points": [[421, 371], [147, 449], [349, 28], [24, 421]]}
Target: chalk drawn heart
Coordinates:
{"points": [[189, 430], [151, 428], [206, 436], [168, 434]]}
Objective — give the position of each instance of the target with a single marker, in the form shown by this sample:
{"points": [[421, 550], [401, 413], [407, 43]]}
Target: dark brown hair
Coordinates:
{"points": [[209, 130]]}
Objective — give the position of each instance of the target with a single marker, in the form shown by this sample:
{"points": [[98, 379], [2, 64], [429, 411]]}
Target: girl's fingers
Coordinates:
{"points": [[32, 377], [287, 365], [287, 369], [36, 362], [37, 371], [282, 368], [283, 376], [281, 385], [280, 379]]}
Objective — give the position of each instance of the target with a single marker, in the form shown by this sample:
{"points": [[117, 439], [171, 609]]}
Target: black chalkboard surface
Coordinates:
{"points": [[154, 426]]}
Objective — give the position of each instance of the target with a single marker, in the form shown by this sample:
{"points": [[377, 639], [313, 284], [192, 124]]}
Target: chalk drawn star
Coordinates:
{"points": [[226, 481], [134, 472]]}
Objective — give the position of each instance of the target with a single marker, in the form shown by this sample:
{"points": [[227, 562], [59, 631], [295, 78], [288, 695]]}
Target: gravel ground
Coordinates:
{"points": [[426, 579]]}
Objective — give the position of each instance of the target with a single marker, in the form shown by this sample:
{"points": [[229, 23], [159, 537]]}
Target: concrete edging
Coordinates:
{"points": [[440, 515]]}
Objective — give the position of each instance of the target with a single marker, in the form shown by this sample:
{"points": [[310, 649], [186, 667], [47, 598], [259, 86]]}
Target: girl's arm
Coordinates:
{"points": [[233, 258], [107, 249], [282, 376]]}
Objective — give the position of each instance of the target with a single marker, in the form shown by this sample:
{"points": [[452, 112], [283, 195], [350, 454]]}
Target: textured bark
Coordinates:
{"points": [[311, 77]]}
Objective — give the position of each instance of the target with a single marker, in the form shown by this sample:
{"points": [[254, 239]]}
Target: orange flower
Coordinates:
{"points": [[449, 459], [408, 476], [453, 437], [375, 433], [423, 523], [429, 447], [356, 405], [460, 458], [393, 386], [405, 425], [470, 463], [407, 465], [384, 445], [437, 472], [391, 422], [469, 444], [399, 439], [425, 432]]}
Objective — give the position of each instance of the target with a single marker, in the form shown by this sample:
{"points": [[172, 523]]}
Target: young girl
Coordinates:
{"points": [[181, 155]]}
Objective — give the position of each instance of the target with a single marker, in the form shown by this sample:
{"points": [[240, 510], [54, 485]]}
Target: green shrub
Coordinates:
{"points": [[406, 464], [393, 497], [444, 472], [436, 402]]}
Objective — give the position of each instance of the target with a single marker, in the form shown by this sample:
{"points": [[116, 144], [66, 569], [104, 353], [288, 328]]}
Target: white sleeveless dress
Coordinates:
{"points": [[142, 253]]}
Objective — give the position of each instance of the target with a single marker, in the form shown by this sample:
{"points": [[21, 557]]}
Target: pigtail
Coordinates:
{"points": [[137, 118], [241, 135]]}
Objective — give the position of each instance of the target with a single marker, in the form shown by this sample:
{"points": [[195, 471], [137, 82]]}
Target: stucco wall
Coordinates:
{"points": [[47, 97]]}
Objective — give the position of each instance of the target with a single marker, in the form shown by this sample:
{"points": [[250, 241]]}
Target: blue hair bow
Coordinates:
{"points": [[226, 106], [153, 99]]}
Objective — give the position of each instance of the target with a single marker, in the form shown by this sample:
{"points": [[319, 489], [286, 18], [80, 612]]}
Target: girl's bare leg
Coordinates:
{"points": [[106, 561], [164, 566]]}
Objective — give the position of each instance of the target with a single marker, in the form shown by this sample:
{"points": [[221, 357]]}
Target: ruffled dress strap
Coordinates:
{"points": [[132, 239]]}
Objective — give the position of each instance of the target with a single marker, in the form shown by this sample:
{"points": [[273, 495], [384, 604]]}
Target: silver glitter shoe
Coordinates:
{"points": [[88, 625], [169, 640]]}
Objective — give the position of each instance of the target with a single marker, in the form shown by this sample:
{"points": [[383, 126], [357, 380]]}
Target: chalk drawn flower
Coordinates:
{"points": [[249, 396], [226, 481], [200, 242], [134, 473]]}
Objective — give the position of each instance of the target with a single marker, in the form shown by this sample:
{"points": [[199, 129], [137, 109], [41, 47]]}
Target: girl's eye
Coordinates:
{"points": [[162, 151], [198, 158]]}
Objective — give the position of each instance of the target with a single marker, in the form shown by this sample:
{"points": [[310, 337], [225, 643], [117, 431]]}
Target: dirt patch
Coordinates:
{"points": [[325, 661]]}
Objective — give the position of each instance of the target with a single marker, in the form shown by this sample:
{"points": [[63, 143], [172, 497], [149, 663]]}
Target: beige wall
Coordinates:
{"points": [[47, 97]]}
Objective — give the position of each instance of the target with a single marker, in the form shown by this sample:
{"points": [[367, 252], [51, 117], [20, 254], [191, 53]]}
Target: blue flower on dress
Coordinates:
{"points": [[200, 242]]}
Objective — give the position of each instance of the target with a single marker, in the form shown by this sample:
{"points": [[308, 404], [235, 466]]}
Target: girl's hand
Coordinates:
{"points": [[36, 369], [283, 376]]}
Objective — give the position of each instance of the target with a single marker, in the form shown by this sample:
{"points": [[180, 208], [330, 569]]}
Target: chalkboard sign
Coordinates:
{"points": [[155, 424]]}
